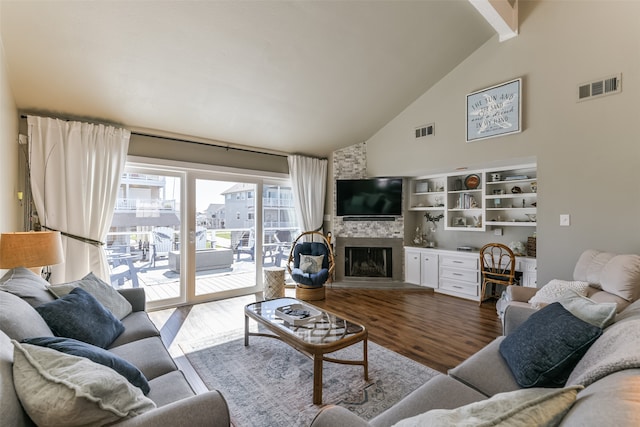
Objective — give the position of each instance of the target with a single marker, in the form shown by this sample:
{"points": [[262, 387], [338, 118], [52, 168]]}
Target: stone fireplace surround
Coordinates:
{"points": [[396, 245]]}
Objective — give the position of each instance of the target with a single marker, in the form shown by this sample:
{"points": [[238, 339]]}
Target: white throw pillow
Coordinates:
{"points": [[60, 389], [311, 263], [526, 407], [554, 290], [103, 292]]}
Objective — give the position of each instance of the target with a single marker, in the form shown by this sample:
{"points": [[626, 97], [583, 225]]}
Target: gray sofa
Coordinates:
{"points": [[609, 371], [170, 399]]}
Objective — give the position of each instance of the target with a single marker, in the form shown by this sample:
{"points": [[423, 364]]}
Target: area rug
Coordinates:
{"points": [[270, 384]]}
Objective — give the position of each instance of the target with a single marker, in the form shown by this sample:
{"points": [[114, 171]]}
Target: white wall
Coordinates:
{"points": [[588, 153], [10, 211]]}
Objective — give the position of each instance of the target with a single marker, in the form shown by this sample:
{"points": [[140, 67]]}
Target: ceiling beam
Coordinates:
{"points": [[501, 14]]}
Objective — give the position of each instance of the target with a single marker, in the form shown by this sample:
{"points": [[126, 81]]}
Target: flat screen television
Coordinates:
{"points": [[369, 197]]}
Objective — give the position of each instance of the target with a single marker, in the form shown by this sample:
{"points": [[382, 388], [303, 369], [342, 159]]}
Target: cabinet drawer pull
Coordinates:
{"points": [[458, 262], [458, 287]]}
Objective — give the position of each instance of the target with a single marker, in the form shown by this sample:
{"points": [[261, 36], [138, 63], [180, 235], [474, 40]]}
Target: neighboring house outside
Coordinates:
{"points": [[213, 216], [277, 202], [141, 206]]}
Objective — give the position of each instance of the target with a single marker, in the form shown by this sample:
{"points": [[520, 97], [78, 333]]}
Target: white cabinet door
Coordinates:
{"points": [[429, 270], [412, 266]]}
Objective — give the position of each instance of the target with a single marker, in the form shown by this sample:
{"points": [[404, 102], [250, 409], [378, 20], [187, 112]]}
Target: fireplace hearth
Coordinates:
{"points": [[368, 259]]}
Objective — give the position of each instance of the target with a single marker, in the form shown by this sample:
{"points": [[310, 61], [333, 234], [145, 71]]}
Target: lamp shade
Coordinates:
{"points": [[30, 249]]}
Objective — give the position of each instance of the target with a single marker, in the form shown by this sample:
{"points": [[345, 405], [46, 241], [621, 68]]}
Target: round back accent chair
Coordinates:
{"points": [[497, 265], [311, 265]]}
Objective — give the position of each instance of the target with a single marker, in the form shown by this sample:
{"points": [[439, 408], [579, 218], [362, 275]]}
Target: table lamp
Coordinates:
{"points": [[31, 249]]}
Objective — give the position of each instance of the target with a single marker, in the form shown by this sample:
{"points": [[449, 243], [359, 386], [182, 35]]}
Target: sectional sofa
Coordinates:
{"points": [[118, 373], [571, 362]]}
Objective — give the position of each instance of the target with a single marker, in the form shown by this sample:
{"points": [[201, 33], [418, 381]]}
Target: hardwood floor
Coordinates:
{"points": [[433, 329]]}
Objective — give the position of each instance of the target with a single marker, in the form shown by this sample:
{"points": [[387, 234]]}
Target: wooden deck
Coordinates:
{"points": [[160, 283]]}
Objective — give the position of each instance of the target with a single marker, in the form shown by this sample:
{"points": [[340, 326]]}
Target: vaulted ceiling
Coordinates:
{"points": [[289, 76]]}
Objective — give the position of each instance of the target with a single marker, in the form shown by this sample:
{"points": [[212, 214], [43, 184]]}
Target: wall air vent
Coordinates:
{"points": [[606, 86], [425, 130]]}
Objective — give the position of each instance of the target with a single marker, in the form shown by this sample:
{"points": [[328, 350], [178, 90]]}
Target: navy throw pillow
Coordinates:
{"points": [[80, 316], [543, 351], [95, 354]]}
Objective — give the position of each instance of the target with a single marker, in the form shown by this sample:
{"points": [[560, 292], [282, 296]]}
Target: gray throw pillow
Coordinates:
{"points": [[58, 389], [95, 354], [27, 285], [543, 351], [19, 320], [598, 314], [80, 316], [102, 291]]}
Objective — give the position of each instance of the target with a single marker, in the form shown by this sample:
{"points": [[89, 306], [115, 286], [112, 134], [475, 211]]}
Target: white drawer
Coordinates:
{"points": [[460, 262], [471, 276], [459, 287]]}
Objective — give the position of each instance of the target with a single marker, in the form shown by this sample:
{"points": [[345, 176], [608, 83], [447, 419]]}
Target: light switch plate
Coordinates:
{"points": [[565, 220]]}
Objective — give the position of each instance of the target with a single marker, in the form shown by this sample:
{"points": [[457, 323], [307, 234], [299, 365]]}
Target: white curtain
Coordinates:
{"points": [[75, 172], [309, 182]]}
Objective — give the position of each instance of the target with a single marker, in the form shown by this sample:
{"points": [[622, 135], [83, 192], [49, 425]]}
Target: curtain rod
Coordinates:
{"points": [[226, 147]]}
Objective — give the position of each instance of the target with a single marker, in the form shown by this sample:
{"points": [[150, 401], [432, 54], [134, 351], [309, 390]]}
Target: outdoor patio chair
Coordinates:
{"points": [[162, 243]]}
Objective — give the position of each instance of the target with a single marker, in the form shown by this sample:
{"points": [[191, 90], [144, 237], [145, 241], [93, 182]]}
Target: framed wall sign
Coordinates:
{"points": [[494, 111]]}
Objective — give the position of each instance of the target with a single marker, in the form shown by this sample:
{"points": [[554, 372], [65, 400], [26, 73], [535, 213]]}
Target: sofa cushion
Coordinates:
{"points": [[621, 277], [137, 326], [60, 389], [19, 320], [80, 316], [23, 283], [611, 401], [529, 407], [169, 388], [486, 371], [95, 354], [590, 265], [440, 392], [149, 355], [103, 292], [602, 296], [600, 315], [543, 351], [552, 291]]}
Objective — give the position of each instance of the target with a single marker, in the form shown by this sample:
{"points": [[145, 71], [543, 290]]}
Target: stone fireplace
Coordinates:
{"points": [[368, 259]]}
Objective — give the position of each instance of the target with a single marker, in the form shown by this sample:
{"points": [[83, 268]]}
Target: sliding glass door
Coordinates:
{"points": [[225, 238], [189, 235], [143, 244]]}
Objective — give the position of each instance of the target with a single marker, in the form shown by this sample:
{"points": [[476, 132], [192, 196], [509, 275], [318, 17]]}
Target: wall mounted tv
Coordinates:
{"points": [[373, 197]]}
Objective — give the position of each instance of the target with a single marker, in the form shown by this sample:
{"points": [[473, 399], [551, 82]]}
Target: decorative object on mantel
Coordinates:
{"points": [[517, 248], [472, 182], [531, 246], [428, 240], [494, 111]]}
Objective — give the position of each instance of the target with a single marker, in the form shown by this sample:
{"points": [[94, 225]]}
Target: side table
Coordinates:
{"points": [[273, 283]]}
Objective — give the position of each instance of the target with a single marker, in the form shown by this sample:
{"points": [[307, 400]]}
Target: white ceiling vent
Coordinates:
{"points": [[606, 86], [424, 131]]}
